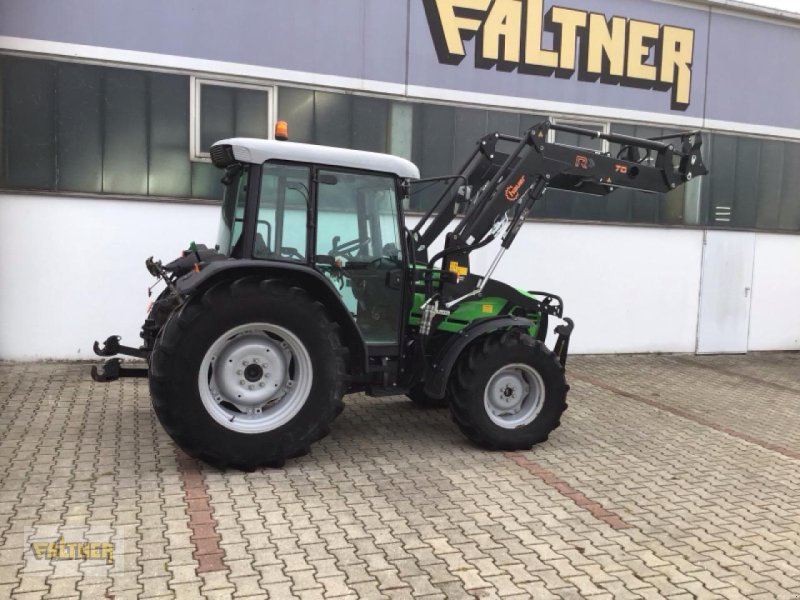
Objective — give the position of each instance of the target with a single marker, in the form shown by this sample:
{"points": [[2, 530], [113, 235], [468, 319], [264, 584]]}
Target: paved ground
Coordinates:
{"points": [[670, 477]]}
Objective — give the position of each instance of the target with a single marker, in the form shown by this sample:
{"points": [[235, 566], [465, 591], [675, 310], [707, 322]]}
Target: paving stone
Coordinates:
{"points": [[671, 476]]}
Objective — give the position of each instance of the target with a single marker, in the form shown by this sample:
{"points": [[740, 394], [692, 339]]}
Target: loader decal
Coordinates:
{"points": [[512, 191], [508, 35]]}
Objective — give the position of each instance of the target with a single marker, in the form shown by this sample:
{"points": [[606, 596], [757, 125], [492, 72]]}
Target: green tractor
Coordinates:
{"points": [[317, 289]]}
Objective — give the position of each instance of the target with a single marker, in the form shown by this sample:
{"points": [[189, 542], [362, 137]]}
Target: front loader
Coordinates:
{"points": [[317, 289]]}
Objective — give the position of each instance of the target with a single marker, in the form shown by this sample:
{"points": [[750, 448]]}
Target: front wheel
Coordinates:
{"points": [[508, 391], [248, 375]]}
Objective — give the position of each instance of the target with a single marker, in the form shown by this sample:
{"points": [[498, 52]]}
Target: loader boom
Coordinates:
{"points": [[505, 175]]}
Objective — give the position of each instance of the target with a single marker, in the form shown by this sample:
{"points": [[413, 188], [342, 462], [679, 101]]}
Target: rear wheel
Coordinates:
{"points": [[508, 391], [248, 375]]}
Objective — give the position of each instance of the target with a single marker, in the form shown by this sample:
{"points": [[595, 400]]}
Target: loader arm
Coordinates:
{"points": [[500, 186]]}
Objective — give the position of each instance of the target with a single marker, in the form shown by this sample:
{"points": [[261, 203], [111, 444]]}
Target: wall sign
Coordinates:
{"points": [[617, 51]]}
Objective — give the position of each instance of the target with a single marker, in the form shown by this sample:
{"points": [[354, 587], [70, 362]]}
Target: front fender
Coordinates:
{"points": [[442, 366]]}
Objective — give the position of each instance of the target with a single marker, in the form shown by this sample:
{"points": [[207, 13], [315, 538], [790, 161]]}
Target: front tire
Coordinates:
{"points": [[248, 375], [508, 391]]}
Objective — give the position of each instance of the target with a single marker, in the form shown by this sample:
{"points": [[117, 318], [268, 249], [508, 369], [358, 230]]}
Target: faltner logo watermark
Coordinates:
{"points": [[61, 550], [509, 35], [91, 552]]}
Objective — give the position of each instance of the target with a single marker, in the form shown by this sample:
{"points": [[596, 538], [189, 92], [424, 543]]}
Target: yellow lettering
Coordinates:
{"points": [[608, 41], [677, 48], [453, 25], [570, 20], [40, 549], [534, 54], [512, 31], [638, 50], [504, 20], [107, 552]]}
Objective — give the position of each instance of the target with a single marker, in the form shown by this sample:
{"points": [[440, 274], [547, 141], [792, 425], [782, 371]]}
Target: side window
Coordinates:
{"points": [[282, 212], [357, 217], [358, 245]]}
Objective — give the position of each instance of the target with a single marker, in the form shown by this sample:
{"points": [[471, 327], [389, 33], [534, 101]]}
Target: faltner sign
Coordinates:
{"points": [[618, 51]]}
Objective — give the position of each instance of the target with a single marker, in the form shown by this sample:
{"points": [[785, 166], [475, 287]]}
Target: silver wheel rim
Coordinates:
{"points": [[514, 396], [255, 378]]}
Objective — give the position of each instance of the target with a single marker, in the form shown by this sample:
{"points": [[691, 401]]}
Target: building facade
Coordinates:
{"points": [[108, 109]]}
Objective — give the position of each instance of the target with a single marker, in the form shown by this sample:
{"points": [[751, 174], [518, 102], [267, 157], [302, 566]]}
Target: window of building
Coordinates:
{"points": [[90, 129], [70, 127], [579, 140], [225, 109], [335, 119], [444, 136], [754, 183]]}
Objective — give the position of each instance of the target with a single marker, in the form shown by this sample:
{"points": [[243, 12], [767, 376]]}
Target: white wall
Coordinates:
{"points": [[628, 289], [775, 305], [72, 271]]}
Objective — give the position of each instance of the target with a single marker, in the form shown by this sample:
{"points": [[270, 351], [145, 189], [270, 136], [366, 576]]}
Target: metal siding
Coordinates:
{"points": [[352, 38], [390, 41], [752, 72]]}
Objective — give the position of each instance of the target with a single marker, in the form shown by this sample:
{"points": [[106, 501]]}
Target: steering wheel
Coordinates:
{"points": [[289, 252], [348, 249]]}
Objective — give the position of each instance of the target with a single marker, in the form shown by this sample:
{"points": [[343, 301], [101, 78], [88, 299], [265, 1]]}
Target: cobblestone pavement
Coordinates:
{"points": [[671, 476]]}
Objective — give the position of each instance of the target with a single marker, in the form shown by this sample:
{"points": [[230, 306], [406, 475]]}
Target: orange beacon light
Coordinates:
{"points": [[281, 131]]}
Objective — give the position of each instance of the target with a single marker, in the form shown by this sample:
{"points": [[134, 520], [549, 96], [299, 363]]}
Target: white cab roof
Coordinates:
{"points": [[251, 150]]}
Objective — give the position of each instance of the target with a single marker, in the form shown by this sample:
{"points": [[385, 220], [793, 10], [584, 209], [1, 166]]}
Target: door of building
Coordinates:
{"points": [[725, 292]]}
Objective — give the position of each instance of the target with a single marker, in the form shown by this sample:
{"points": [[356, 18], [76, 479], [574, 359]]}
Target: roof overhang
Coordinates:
{"points": [[251, 150]]}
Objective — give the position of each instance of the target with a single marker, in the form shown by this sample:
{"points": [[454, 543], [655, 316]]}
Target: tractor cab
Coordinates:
{"points": [[338, 211]]}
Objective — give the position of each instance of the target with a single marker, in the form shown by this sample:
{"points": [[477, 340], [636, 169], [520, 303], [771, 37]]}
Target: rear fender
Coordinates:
{"points": [[442, 366], [195, 283]]}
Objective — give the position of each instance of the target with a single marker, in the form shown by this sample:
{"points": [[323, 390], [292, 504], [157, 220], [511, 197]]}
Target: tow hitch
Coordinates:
{"points": [[112, 347], [112, 369]]}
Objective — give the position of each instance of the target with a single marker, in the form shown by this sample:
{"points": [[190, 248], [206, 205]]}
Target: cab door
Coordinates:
{"points": [[358, 247]]}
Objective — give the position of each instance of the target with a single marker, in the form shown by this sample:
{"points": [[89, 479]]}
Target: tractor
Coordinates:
{"points": [[316, 288]]}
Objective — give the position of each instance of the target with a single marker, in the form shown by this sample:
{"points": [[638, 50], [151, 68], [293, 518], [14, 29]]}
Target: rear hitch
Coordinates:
{"points": [[112, 347], [112, 369]]}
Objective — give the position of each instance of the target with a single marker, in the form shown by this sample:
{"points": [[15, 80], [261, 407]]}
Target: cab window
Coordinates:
{"points": [[282, 212]]}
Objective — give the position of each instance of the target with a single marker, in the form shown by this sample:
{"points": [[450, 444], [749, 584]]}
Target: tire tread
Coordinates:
{"points": [[164, 360]]}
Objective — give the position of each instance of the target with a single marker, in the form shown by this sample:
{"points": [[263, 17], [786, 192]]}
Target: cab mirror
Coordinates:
{"points": [[328, 179]]}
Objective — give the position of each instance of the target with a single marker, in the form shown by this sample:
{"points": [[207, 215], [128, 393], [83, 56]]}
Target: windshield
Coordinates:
{"points": [[232, 217]]}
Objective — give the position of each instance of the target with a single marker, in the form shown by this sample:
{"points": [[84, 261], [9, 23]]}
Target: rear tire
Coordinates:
{"points": [[508, 391], [248, 375], [420, 398]]}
